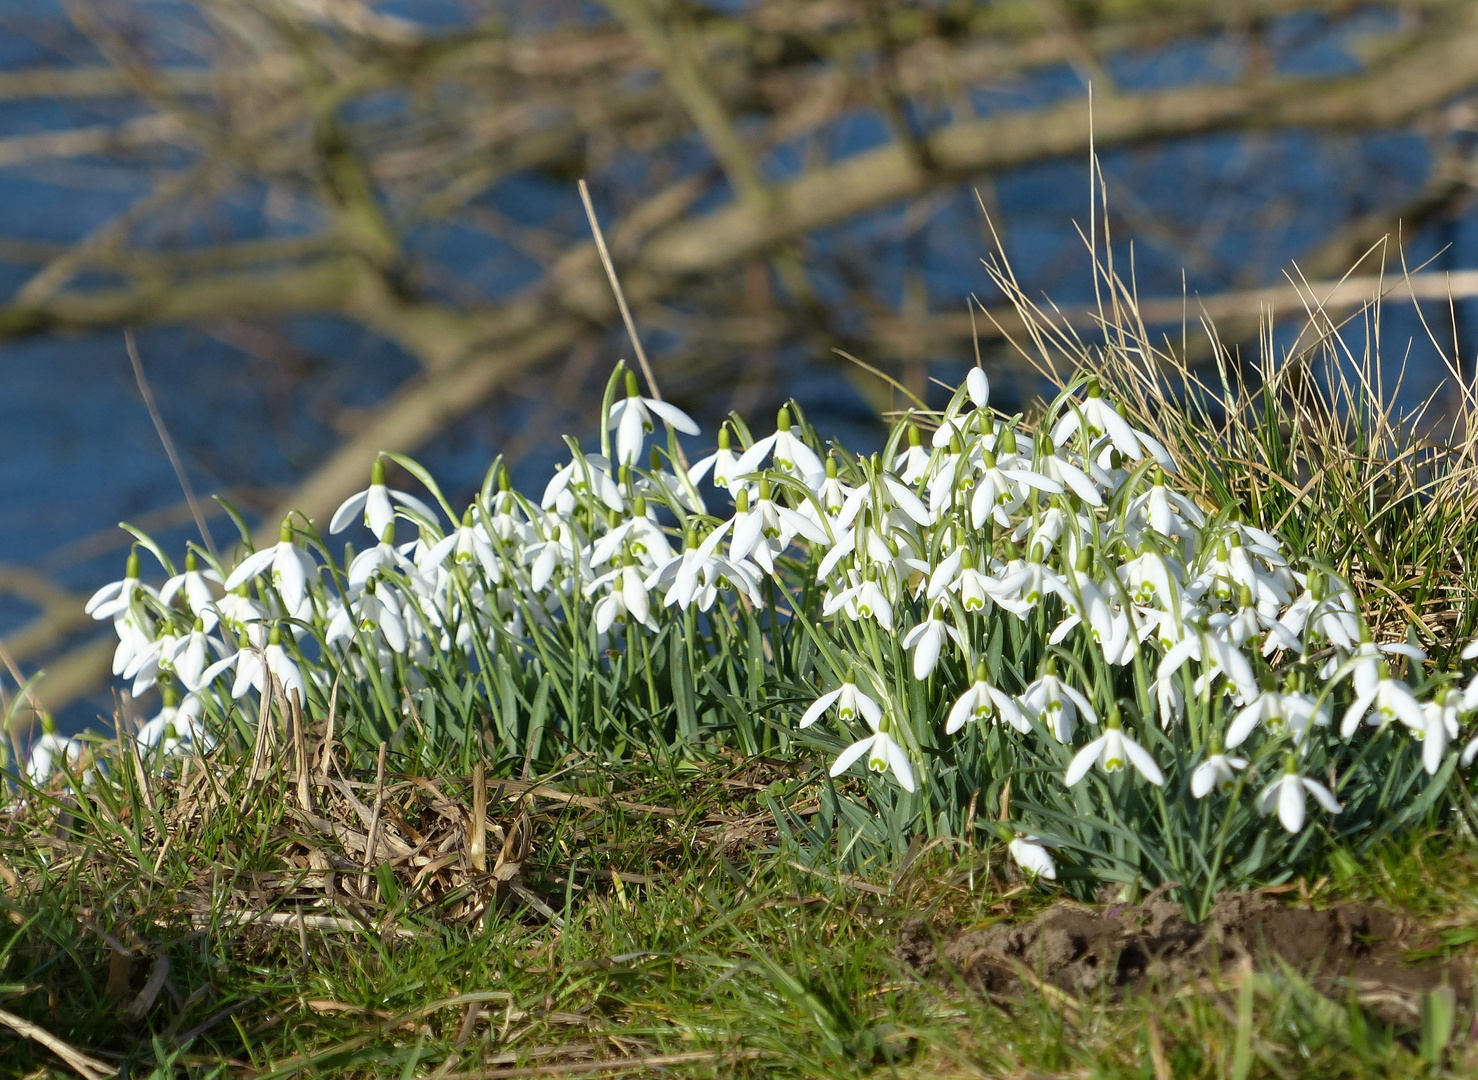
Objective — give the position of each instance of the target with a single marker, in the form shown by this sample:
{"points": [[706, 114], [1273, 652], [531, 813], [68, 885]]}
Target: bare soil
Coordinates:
{"points": [[1378, 954]]}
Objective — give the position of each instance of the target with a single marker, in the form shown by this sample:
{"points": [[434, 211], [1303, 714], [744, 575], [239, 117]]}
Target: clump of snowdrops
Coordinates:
{"points": [[983, 615]]}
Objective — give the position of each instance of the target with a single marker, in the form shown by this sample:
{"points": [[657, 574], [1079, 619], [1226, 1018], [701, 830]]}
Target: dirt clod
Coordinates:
{"points": [[1140, 947]]}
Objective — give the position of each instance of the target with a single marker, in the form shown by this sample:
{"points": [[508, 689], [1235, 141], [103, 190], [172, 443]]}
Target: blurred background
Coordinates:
{"points": [[342, 226]]}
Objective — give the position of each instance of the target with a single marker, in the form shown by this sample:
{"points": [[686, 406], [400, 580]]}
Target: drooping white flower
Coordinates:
{"points": [[982, 701], [625, 595], [722, 463], [466, 545], [177, 729], [1030, 853], [1286, 794], [51, 751], [1111, 750], [912, 464], [864, 599], [1280, 714], [883, 753], [1217, 773], [1056, 705], [850, 702], [696, 575], [1102, 420], [1440, 727], [788, 453], [1390, 698], [926, 639], [195, 584], [631, 419], [374, 505], [764, 528], [290, 568]]}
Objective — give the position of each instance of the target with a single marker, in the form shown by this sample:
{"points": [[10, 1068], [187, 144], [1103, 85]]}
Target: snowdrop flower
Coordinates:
{"points": [[192, 655], [765, 529], [116, 598], [789, 454], [1111, 750], [631, 420], [376, 561], [1055, 704], [465, 545], [253, 663], [882, 754], [723, 463], [1102, 419], [290, 566], [1440, 727], [957, 574], [177, 728], [1066, 474], [980, 702], [1326, 607], [1287, 794], [562, 549], [284, 667], [863, 600], [586, 474], [373, 505], [1280, 714], [1167, 512], [926, 639], [1217, 773], [1392, 700], [49, 751], [626, 595], [1030, 853], [195, 584], [850, 702], [695, 575], [913, 463], [374, 612], [998, 491], [640, 535], [978, 387], [1024, 585]]}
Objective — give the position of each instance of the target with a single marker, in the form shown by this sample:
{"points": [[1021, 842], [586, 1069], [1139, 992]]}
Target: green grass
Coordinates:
{"points": [[697, 943]]}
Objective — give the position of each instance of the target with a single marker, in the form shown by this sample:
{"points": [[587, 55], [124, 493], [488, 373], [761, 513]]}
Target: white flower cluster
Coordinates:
{"points": [[1075, 530]]}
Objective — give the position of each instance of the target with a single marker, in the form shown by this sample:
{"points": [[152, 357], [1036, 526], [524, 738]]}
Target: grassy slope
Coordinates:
{"points": [[693, 946], [707, 954]]}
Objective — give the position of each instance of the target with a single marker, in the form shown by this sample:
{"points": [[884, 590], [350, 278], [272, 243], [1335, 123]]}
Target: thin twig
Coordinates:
{"points": [[605, 261], [89, 1068], [174, 458]]}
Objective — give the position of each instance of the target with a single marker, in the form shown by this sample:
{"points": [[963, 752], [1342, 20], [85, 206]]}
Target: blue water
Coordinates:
{"points": [[254, 408]]}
